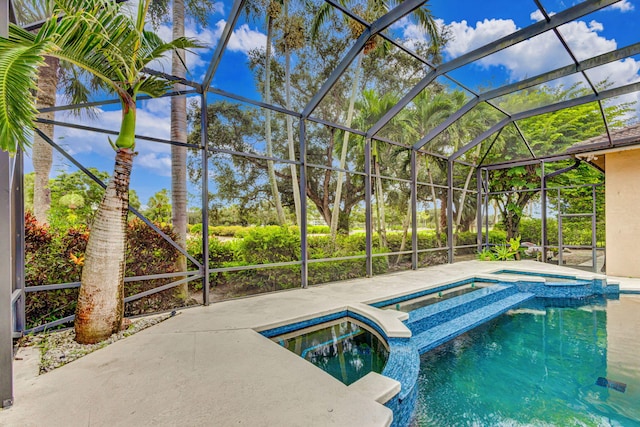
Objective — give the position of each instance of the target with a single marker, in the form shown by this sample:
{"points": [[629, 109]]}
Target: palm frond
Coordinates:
{"points": [[30, 11], [324, 12], [92, 35], [153, 86], [425, 20], [18, 70]]}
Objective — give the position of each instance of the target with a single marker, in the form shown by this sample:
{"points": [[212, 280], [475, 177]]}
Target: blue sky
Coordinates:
{"points": [[471, 23]]}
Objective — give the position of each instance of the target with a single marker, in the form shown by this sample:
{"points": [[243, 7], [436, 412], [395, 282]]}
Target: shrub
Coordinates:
{"points": [[270, 244], [486, 255], [53, 257], [318, 229], [220, 230], [229, 230], [195, 228], [220, 253], [148, 253]]}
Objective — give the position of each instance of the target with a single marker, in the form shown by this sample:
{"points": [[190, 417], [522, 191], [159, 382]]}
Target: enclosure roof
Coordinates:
{"points": [[548, 34]]}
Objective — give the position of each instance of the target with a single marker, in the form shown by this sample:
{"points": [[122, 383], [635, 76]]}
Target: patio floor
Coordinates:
{"points": [[208, 365]]}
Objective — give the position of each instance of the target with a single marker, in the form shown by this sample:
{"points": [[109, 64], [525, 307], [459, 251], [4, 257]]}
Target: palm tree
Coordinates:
{"points": [[179, 153], [371, 108], [371, 10], [430, 108], [273, 10], [159, 9], [95, 36], [293, 38], [30, 11]]}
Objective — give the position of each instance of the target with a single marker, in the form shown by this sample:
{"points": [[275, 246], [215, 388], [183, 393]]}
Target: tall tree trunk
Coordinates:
{"points": [[435, 206], [267, 99], [343, 155], [406, 222], [382, 228], [101, 299], [42, 154], [295, 185], [465, 190], [443, 211], [178, 153], [495, 213]]}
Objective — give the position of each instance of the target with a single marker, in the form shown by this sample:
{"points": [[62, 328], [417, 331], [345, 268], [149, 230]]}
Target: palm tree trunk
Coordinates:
{"points": [[267, 99], [42, 154], [335, 214], [295, 185], [405, 231], [465, 190], [101, 299], [435, 206], [405, 223], [178, 153], [382, 228]]}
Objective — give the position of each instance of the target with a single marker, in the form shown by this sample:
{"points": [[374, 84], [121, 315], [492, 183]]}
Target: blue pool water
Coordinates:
{"points": [[538, 366], [345, 349]]}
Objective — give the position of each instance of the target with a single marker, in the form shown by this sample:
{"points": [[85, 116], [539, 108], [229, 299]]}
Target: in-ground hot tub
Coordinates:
{"points": [[344, 348]]}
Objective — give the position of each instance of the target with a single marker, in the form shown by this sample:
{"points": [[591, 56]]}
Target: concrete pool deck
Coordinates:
{"points": [[209, 366]]}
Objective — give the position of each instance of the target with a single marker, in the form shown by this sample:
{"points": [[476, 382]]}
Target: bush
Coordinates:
{"points": [[318, 229], [148, 253], [220, 230], [229, 230], [220, 253], [53, 257], [270, 244]]}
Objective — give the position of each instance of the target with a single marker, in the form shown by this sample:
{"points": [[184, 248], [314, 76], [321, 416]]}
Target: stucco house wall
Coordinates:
{"points": [[623, 213]]}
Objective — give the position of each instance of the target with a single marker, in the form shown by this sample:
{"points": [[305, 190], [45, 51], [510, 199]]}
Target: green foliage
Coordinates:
{"points": [[486, 255], [56, 256], [576, 232], [159, 207], [546, 134], [503, 253], [51, 257], [271, 244], [318, 229], [514, 244], [220, 230], [74, 198]]}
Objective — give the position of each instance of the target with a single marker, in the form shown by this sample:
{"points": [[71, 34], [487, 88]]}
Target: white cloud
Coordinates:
{"points": [[537, 55], [218, 7], [623, 72], [623, 6], [467, 37], [530, 57], [243, 39], [152, 120], [536, 15], [160, 164]]}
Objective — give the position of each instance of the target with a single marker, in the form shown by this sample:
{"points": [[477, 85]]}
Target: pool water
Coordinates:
{"points": [[416, 303], [346, 349], [539, 366]]}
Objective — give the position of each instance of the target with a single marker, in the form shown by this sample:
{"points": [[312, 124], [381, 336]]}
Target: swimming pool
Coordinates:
{"points": [[541, 365]]}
